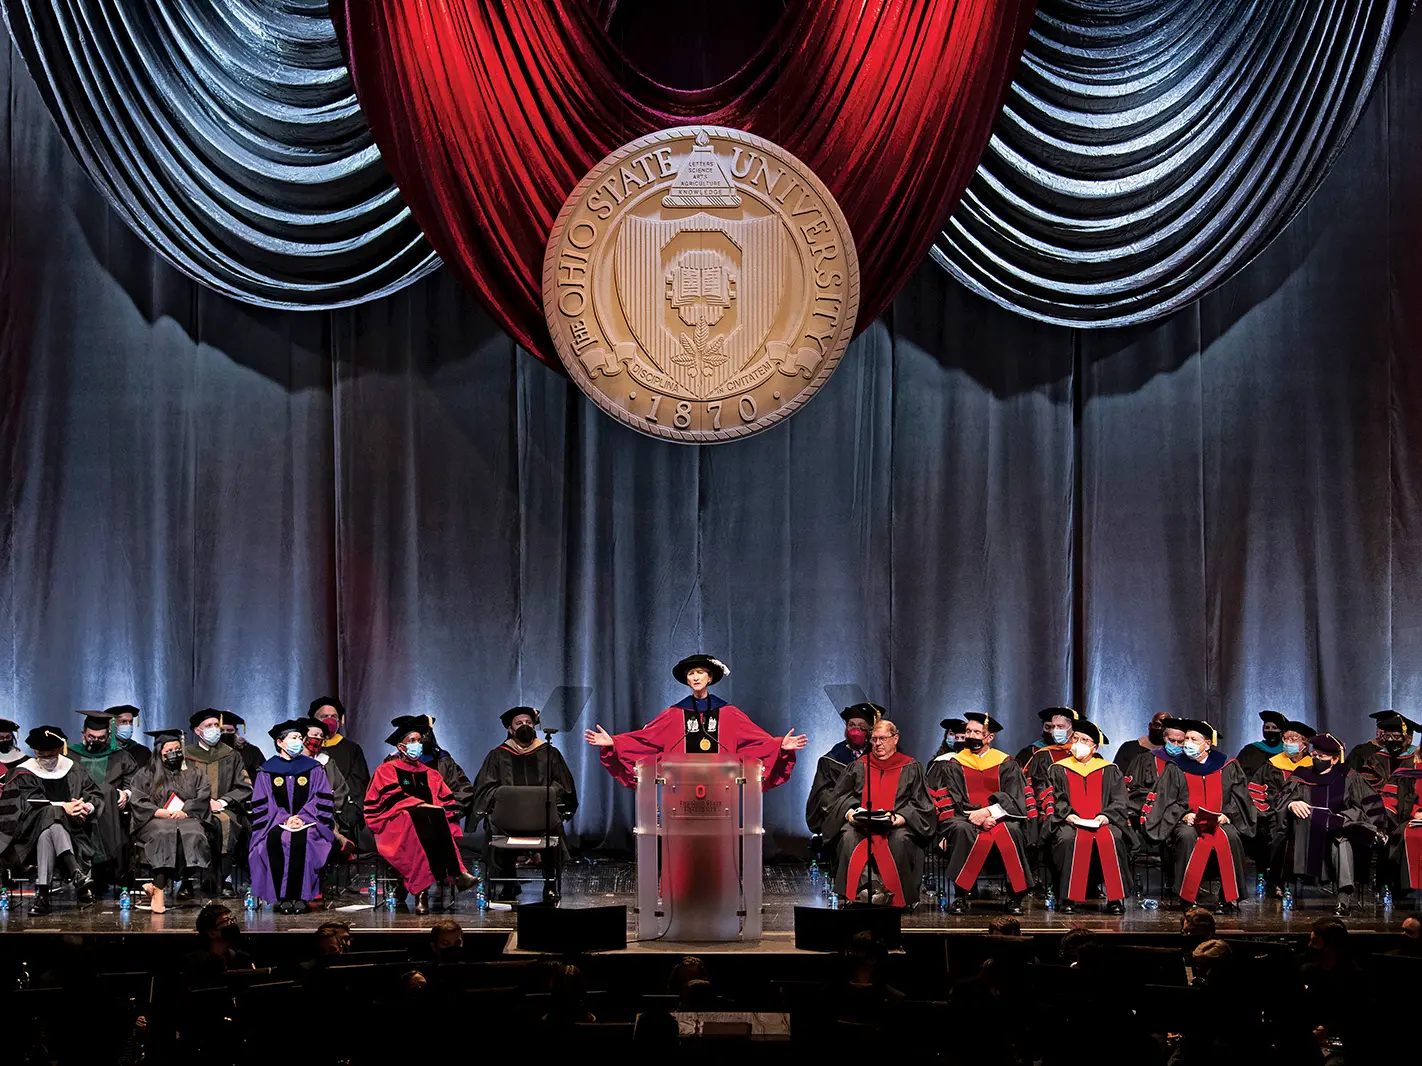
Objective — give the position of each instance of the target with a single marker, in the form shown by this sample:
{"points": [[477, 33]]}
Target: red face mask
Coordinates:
{"points": [[856, 737], [313, 745]]}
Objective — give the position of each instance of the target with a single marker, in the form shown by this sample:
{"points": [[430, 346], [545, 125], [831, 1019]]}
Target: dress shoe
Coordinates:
{"points": [[41, 904], [1341, 908], [422, 902], [1066, 906], [464, 880], [960, 905], [1115, 906], [228, 892], [299, 906], [1226, 907], [1012, 906], [185, 894]]}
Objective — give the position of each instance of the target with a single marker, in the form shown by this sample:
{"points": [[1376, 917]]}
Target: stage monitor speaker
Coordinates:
{"points": [[817, 929], [559, 931]]}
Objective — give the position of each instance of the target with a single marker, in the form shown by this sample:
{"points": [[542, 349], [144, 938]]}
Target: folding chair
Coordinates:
{"points": [[520, 816]]}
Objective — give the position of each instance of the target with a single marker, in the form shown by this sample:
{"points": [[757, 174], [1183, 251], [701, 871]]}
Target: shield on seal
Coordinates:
{"points": [[674, 309]]}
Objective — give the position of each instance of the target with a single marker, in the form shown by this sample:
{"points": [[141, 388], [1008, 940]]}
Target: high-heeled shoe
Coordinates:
{"points": [[156, 902]]}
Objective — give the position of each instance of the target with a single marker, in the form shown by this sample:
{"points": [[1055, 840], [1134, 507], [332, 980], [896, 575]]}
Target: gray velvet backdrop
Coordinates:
{"points": [[205, 504]]}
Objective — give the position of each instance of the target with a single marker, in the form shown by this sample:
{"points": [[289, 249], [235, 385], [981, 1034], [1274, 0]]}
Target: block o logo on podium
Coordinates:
{"points": [[700, 284]]}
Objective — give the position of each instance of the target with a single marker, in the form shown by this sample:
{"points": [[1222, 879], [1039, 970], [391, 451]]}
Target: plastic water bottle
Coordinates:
{"points": [[1387, 897], [942, 898], [4, 900], [1150, 903], [125, 902], [248, 903], [834, 901], [814, 870], [374, 890], [1288, 900], [390, 902], [481, 899], [1259, 887], [1051, 899]]}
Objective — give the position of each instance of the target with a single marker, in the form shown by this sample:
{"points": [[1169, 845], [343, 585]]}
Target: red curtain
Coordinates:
{"points": [[489, 112]]}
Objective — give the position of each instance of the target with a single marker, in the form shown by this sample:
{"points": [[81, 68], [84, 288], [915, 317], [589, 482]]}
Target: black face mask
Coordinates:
{"points": [[1322, 765], [971, 744], [1272, 736], [1394, 747], [524, 734], [173, 761], [231, 933], [230, 739], [95, 745], [1156, 735], [6, 746]]}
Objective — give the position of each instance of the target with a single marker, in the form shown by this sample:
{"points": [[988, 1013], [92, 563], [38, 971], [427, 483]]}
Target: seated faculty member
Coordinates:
{"points": [[170, 818], [1271, 832], [858, 720], [234, 735], [11, 752], [231, 790], [293, 821], [1254, 755], [125, 716], [112, 767], [346, 754], [1089, 821], [882, 861]]}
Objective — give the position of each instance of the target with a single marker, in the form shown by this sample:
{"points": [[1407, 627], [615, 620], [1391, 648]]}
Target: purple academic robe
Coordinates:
{"points": [[286, 864]]}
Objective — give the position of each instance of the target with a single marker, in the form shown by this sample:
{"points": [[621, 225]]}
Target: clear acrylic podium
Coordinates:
{"points": [[699, 847]]}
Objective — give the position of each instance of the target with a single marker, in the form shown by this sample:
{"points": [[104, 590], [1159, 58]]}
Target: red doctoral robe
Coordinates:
{"points": [[735, 734], [387, 814]]}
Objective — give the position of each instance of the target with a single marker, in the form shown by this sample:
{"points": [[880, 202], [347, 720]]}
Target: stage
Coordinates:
{"points": [[787, 886]]}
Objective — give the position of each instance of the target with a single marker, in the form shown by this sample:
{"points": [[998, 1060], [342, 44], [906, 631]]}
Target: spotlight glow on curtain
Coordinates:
{"points": [[1146, 151], [488, 112], [226, 133]]}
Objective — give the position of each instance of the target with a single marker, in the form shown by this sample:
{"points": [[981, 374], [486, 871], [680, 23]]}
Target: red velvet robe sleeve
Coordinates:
{"points": [[736, 732]]}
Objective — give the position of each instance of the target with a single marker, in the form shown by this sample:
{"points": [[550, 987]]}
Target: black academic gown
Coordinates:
{"points": [[1088, 790], [228, 778], [22, 821], [1358, 757], [1252, 756], [167, 843], [113, 770], [1128, 753], [974, 781], [506, 766], [1219, 779], [898, 784], [1142, 776], [1271, 834], [827, 772], [1322, 845], [252, 758], [1378, 769], [349, 759], [139, 752]]}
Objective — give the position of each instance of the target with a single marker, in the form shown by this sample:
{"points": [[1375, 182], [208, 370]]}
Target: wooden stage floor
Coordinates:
{"points": [[611, 883]]}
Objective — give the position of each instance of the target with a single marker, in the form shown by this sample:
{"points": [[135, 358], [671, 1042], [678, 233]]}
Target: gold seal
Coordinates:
{"points": [[705, 744], [278, 781], [301, 780], [700, 284]]}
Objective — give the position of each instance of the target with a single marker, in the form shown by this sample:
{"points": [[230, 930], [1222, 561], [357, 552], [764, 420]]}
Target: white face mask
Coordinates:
{"points": [[1191, 749], [211, 735], [1081, 750]]}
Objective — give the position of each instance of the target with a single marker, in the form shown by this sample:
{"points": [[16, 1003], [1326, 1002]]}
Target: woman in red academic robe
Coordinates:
{"points": [[699, 724], [414, 817]]}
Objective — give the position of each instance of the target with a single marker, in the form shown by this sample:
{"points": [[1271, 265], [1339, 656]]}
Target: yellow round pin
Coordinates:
{"points": [[278, 781], [705, 744], [301, 780]]}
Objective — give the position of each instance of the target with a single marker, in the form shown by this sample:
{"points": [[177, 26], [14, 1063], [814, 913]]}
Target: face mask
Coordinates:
{"points": [[1081, 751], [95, 745], [414, 751], [1271, 738], [293, 745], [1322, 765], [1394, 747], [1173, 749], [857, 738], [1290, 748], [1059, 736], [230, 739], [972, 743], [124, 732], [173, 760], [210, 736], [332, 725], [524, 734], [1191, 749], [1156, 735], [231, 933], [312, 745], [47, 762], [7, 745]]}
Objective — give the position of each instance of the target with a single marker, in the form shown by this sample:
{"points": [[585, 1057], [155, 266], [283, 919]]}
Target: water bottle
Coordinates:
{"points": [[390, 902], [374, 890], [125, 902], [1051, 899], [942, 898], [1387, 897], [834, 901], [481, 900], [1288, 900], [814, 870], [248, 903], [1259, 887], [1150, 903], [4, 900]]}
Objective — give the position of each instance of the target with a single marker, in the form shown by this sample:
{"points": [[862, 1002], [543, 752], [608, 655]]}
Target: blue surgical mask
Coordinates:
{"points": [[124, 732], [414, 751], [1191, 749], [1173, 749], [293, 745], [1291, 748], [210, 736], [1060, 736]]}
